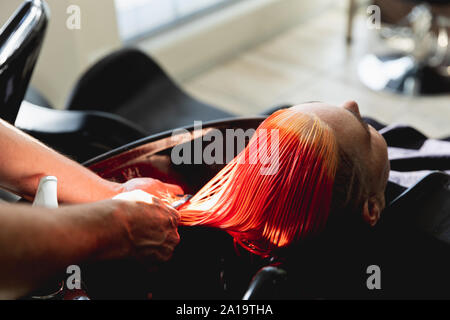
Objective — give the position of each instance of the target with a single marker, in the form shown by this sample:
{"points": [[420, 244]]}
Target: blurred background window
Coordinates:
{"points": [[139, 18]]}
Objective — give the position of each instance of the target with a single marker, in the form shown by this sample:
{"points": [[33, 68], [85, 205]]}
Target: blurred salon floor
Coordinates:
{"points": [[311, 62]]}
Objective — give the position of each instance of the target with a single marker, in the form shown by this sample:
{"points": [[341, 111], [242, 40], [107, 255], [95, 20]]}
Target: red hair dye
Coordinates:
{"points": [[267, 211]]}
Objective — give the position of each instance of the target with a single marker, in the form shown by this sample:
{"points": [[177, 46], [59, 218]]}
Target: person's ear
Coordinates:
{"points": [[371, 210]]}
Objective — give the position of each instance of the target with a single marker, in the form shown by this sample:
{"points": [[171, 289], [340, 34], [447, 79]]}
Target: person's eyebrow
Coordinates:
{"points": [[360, 120]]}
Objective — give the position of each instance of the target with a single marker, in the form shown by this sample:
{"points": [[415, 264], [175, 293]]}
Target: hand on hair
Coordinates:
{"points": [[154, 187], [151, 226]]}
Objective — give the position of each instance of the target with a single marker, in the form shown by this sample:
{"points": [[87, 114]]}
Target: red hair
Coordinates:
{"points": [[267, 211]]}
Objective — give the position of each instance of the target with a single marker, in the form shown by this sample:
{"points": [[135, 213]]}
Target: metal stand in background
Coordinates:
{"points": [[425, 69]]}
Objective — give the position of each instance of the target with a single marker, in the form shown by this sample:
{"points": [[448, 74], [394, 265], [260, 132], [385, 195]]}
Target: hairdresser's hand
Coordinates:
{"points": [[42, 242], [154, 187], [151, 229]]}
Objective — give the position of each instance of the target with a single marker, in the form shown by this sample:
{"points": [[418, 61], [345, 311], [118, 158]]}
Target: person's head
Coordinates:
{"points": [[363, 167], [329, 164]]}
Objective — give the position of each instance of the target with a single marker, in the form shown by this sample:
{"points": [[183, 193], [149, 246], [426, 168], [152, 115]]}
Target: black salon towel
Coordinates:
{"points": [[412, 155]]}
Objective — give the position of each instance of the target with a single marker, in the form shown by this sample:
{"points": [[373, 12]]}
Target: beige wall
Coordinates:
{"points": [[186, 52], [67, 53]]}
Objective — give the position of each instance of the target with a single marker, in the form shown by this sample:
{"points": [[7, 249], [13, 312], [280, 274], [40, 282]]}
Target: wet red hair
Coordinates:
{"points": [[268, 211]]}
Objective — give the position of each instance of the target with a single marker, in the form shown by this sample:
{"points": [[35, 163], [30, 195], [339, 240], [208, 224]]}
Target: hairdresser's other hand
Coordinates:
{"points": [[154, 187], [151, 229]]}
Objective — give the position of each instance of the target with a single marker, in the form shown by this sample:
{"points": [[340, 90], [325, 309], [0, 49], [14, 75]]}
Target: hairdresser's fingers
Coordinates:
{"points": [[152, 228], [136, 195], [152, 186], [173, 189], [141, 196], [171, 212]]}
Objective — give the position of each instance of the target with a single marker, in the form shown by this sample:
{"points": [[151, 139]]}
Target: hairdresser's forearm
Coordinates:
{"points": [[24, 161], [36, 243]]}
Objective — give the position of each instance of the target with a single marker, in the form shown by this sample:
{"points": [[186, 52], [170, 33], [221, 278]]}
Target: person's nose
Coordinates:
{"points": [[352, 106]]}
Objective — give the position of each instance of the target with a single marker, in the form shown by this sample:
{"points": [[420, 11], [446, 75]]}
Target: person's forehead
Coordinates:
{"points": [[345, 125], [324, 111], [349, 133]]}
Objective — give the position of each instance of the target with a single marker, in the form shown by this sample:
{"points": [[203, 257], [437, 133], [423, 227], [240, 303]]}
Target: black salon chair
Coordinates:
{"points": [[130, 84], [424, 69]]}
